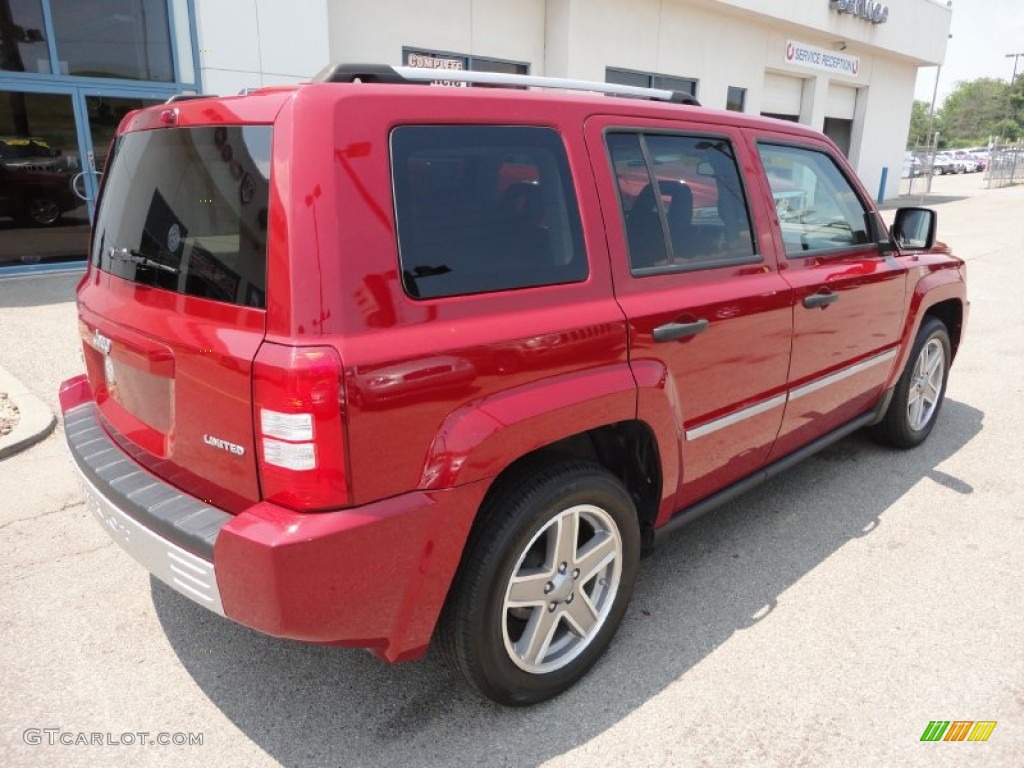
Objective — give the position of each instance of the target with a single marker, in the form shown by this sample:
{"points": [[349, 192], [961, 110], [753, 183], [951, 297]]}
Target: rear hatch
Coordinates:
{"points": [[172, 310]]}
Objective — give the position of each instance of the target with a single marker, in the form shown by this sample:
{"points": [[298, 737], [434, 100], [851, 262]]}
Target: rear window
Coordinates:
{"points": [[484, 208], [185, 210]]}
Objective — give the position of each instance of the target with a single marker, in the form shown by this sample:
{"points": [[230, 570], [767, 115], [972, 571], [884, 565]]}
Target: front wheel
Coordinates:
{"points": [[544, 584], [919, 393]]}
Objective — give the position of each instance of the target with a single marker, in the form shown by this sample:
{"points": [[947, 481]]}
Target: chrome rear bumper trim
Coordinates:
{"points": [[162, 558]]}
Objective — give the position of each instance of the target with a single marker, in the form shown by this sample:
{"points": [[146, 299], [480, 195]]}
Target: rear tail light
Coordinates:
{"points": [[300, 436]]}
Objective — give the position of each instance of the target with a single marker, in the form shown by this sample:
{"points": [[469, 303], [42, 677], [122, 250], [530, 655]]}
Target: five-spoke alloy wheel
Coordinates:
{"points": [[562, 589], [926, 384], [545, 582], [920, 390]]}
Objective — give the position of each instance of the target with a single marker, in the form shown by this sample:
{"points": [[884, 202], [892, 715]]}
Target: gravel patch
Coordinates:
{"points": [[9, 414]]}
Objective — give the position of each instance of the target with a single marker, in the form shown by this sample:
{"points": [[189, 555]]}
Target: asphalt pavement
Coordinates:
{"points": [[824, 619]]}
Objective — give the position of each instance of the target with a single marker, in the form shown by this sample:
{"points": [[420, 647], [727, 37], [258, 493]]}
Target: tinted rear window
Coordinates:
{"points": [[484, 208], [185, 210]]}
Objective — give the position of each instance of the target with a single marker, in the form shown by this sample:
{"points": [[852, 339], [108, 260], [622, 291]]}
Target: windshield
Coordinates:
{"points": [[185, 210]]}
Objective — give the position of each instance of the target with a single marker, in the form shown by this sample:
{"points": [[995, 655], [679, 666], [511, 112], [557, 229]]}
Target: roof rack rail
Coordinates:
{"points": [[185, 97], [381, 73]]}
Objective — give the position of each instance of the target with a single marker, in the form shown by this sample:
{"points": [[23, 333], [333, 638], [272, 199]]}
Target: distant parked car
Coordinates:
{"points": [[968, 160], [981, 160], [912, 167], [944, 164], [34, 197]]}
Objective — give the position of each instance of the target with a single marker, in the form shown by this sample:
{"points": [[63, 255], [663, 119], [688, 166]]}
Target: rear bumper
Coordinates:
{"points": [[374, 576]]}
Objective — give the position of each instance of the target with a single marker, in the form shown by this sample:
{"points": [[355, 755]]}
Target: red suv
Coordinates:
{"points": [[369, 361]]}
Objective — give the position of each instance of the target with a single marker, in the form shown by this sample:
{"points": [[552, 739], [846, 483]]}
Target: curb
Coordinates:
{"points": [[36, 422]]}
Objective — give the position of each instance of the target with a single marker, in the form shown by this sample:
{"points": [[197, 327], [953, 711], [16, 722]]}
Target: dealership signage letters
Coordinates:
{"points": [[876, 13], [803, 55]]}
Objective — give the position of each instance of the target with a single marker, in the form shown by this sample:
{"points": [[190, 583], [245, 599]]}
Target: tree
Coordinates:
{"points": [[973, 111], [919, 121]]}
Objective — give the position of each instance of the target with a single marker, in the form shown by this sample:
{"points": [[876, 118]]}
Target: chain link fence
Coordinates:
{"points": [[916, 170], [1006, 165]]}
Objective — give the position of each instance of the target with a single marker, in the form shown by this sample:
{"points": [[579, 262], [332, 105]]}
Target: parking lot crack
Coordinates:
{"points": [[60, 558], [66, 506]]}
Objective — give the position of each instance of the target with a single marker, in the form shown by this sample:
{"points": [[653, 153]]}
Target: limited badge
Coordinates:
{"points": [[174, 238]]}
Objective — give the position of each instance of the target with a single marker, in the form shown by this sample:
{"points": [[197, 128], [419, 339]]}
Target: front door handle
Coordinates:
{"points": [[820, 300], [673, 331]]}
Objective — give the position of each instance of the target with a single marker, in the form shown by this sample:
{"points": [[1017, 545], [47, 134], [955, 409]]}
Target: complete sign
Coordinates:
{"points": [[803, 55], [876, 13]]}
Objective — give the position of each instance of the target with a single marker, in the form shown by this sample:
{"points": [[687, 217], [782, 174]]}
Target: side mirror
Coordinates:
{"points": [[914, 228], [878, 234]]}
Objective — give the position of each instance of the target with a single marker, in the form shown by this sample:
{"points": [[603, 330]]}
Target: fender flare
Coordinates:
{"points": [[933, 288], [476, 440], [660, 407]]}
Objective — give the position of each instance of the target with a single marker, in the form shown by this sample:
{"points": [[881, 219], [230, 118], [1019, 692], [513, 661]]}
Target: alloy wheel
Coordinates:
{"points": [[926, 385], [562, 589]]}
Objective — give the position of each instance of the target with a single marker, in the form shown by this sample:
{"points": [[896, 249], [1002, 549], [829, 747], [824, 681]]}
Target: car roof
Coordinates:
{"points": [[262, 105]]}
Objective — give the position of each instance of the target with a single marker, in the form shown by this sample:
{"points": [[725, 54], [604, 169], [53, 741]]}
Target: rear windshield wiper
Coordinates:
{"points": [[127, 254]]}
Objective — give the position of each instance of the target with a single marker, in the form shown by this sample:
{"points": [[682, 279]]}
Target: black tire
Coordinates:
{"points": [[40, 211], [481, 635], [901, 428]]}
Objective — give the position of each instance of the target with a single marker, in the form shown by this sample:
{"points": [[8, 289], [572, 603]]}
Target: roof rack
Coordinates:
{"points": [[381, 73], [186, 97]]}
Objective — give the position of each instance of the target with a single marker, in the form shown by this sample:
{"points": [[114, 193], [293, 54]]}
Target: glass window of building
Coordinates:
{"points": [[42, 219], [23, 37], [650, 80], [129, 39], [736, 100]]}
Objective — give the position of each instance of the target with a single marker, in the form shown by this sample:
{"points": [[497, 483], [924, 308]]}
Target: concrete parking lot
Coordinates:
{"points": [[824, 619]]}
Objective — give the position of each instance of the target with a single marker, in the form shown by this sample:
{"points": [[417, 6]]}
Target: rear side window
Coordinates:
{"points": [[682, 201], [185, 210], [482, 208]]}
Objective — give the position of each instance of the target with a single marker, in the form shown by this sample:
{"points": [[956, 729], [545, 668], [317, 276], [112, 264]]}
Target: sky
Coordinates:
{"points": [[984, 31]]}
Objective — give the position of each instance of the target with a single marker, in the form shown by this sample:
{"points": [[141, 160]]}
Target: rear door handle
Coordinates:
{"points": [[673, 331], [820, 300]]}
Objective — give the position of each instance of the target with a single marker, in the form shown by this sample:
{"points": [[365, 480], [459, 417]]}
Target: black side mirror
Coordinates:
{"points": [[878, 234], [914, 228]]}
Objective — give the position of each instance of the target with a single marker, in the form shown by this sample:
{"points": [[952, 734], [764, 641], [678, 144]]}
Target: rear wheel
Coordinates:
{"points": [[544, 585], [919, 393]]}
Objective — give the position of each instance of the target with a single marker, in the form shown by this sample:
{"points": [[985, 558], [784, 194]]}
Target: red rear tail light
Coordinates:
{"points": [[300, 436]]}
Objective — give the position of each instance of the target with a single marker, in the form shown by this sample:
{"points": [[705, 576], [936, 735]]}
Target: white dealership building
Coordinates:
{"points": [[847, 67]]}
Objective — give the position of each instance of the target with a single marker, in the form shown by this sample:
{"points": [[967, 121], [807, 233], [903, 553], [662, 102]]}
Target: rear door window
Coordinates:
{"points": [[484, 208], [185, 210], [683, 204]]}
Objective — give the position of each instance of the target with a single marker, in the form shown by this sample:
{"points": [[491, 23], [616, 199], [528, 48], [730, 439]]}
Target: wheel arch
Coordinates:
{"points": [[951, 313], [940, 293]]}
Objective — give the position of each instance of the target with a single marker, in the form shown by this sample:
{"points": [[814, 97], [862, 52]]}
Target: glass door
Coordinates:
{"points": [[53, 148], [42, 220], [103, 113]]}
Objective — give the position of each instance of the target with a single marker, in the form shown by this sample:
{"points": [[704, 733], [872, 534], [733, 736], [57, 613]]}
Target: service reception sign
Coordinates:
{"points": [[803, 55]]}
